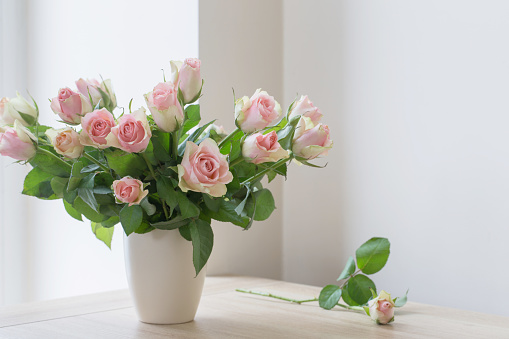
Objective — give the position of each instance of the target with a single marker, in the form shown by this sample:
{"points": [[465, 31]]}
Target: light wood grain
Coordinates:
{"points": [[224, 313]]}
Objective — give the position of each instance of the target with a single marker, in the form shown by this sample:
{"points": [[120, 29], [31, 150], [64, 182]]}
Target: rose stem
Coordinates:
{"points": [[151, 169], [270, 295], [225, 140], [262, 173], [95, 161]]}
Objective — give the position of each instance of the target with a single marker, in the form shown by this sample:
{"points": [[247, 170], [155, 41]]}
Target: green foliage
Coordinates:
{"points": [[131, 218], [38, 184], [50, 163], [373, 255], [329, 296], [401, 301], [348, 270], [102, 233], [203, 240], [359, 288], [125, 164]]}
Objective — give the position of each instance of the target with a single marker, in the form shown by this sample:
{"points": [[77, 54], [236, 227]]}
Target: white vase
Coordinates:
{"points": [[161, 277]]}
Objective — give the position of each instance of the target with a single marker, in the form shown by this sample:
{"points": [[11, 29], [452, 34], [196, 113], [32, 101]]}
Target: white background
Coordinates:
{"points": [[415, 94]]}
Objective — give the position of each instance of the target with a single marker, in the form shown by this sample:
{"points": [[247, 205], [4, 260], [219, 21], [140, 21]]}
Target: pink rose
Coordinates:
{"points": [[204, 169], [381, 309], [165, 108], [256, 113], [188, 78], [96, 126], [12, 109], [17, 142], [304, 107], [70, 106], [132, 134], [129, 191], [66, 142], [259, 148], [311, 140]]}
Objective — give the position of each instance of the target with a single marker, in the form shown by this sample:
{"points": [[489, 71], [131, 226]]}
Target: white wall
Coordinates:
{"points": [[129, 42], [415, 93], [238, 51]]}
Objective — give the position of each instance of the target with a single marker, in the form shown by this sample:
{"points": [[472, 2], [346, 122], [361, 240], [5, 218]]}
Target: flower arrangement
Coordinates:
{"points": [[161, 170]]}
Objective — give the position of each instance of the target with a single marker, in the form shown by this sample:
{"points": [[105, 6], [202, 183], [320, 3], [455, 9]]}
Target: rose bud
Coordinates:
{"points": [[165, 108], [311, 140], [129, 191], [256, 113], [259, 148], [132, 133], [107, 88], [66, 142], [70, 106], [381, 309], [304, 107], [188, 78], [17, 142], [17, 109], [96, 126], [204, 169]]}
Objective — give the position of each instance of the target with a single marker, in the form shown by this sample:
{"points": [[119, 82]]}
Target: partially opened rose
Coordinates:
{"points": [[381, 309], [17, 108], [17, 142], [70, 106], [96, 126], [66, 142], [129, 191], [256, 113], [188, 78], [88, 87], [132, 133], [304, 107], [164, 105], [311, 140], [204, 169], [259, 148]]}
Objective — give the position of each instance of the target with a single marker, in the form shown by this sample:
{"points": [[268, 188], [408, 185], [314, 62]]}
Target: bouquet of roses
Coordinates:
{"points": [[163, 170]]}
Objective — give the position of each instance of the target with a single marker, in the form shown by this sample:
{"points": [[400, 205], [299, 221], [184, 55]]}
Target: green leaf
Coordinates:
{"points": [[166, 191], [401, 301], [83, 208], [212, 203], [87, 194], [359, 288], [71, 211], [346, 298], [37, 184], [102, 233], [144, 228], [265, 205], [192, 137], [185, 232], [226, 213], [171, 224], [58, 185], [147, 206], [76, 176], [329, 296], [187, 208], [348, 270], [203, 240], [372, 255], [51, 164], [131, 218], [125, 164], [160, 142], [112, 221]]}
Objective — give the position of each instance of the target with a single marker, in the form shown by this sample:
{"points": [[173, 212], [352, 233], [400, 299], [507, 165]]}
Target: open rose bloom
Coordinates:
{"points": [[160, 166]]}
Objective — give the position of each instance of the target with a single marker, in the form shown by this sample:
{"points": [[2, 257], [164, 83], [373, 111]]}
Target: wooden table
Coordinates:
{"points": [[224, 313]]}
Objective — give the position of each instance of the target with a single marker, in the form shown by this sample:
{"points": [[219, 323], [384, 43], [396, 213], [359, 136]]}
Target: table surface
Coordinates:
{"points": [[224, 313]]}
